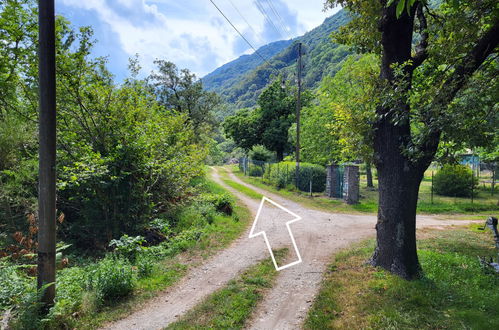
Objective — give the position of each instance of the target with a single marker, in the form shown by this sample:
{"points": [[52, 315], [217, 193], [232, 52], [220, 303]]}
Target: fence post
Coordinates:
{"points": [[472, 185], [493, 181], [432, 187]]}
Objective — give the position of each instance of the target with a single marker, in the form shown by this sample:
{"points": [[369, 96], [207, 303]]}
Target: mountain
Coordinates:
{"points": [[241, 81], [229, 73]]}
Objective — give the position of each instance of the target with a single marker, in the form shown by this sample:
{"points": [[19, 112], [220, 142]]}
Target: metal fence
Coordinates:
{"points": [[284, 174], [309, 178]]}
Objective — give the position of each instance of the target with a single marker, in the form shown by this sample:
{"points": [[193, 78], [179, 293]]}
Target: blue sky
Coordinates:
{"points": [[190, 33]]}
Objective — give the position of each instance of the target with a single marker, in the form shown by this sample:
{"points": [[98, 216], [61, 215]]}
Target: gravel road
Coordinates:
{"points": [[318, 236]]}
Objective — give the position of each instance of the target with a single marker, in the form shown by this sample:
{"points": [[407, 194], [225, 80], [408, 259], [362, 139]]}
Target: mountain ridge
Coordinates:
{"points": [[240, 82]]}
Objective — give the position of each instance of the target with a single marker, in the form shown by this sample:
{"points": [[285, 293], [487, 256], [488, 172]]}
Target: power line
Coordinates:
{"points": [[265, 14], [245, 20], [242, 36], [279, 18]]}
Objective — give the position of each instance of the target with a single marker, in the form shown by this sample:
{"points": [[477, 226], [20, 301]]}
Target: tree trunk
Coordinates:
{"points": [[280, 155], [369, 175], [396, 227], [398, 177]]}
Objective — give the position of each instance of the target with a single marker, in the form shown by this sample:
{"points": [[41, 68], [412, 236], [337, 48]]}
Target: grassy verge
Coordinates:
{"points": [[455, 291], [316, 201], [200, 232], [483, 204], [231, 306], [239, 187], [218, 235]]}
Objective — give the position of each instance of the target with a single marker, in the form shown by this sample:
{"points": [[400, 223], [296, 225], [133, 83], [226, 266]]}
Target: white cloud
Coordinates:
{"points": [[192, 33]]}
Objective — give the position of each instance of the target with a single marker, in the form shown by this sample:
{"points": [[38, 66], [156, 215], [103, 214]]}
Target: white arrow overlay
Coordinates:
{"points": [[253, 234]]}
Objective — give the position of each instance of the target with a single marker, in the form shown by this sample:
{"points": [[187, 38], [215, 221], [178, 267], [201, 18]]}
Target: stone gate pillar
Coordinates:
{"points": [[332, 181], [351, 186]]}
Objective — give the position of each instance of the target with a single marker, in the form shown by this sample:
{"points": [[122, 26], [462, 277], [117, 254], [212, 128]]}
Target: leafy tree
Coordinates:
{"points": [[269, 123], [122, 158], [430, 57], [242, 128], [337, 127], [276, 113], [180, 91]]}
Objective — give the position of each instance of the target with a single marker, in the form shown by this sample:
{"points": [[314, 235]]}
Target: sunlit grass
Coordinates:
{"points": [[231, 306], [484, 202], [455, 292]]}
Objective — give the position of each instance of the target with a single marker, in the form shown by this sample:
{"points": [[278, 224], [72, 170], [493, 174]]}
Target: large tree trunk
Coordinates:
{"points": [[398, 181], [398, 178], [400, 172], [369, 175]]}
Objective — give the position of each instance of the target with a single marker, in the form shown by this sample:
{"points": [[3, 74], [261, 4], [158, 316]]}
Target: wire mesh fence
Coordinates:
{"points": [[311, 178], [306, 177]]}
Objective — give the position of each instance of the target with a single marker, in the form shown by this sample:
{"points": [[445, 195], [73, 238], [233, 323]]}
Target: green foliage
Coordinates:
{"points": [[14, 285], [222, 202], [70, 289], [123, 155], [260, 153], [284, 173], [145, 266], [162, 225], [242, 81], [127, 247], [180, 91], [454, 180], [255, 170], [337, 128], [111, 279], [269, 123]]}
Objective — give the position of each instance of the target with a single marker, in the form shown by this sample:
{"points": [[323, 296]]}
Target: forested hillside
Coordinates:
{"points": [[322, 58], [230, 73]]}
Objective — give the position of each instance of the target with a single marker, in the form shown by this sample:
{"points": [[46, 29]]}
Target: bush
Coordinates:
{"points": [[145, 266], [13, 286], [255, 170], [454, 180], [112, 278], [260, 153], [223, 203], [283, 174], [70, 285], [127, 246]]}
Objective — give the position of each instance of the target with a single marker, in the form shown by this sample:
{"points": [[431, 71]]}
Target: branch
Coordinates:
{"points": [[422, 46], [485, 46]]}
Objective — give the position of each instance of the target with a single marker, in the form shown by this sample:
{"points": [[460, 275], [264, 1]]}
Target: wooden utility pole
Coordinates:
{"points": [[47, 151], [298, 110]]}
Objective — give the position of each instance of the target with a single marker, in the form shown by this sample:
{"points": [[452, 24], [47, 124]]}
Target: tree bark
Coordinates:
{"points": [[398, 178], [398, 184], [369, 175], [280, 155]]}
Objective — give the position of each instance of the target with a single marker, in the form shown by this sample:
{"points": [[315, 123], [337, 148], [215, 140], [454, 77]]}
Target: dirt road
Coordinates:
{"points": [[318, 235]]}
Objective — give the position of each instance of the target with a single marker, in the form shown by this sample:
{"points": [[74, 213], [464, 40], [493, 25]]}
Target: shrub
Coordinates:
{"points": [[127, 246], [283, 174], [13, 286], [112, 278], [454, 180], [260, 153], [70, 285], [222, 202], [255, 170], [162, 225], [145, 266]]}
